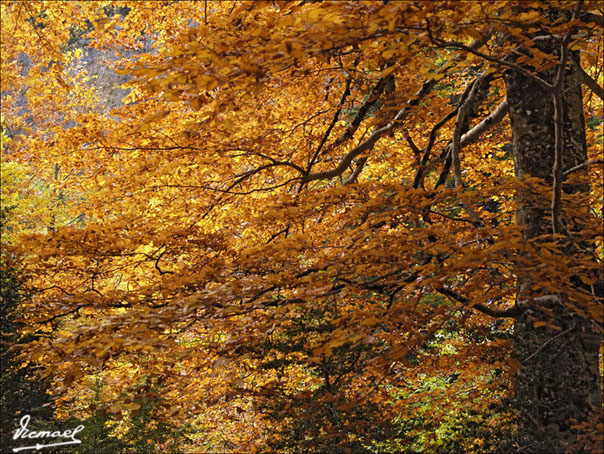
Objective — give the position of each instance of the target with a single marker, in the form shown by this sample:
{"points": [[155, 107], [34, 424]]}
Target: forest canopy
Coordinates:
{"points": [[307, 226]]}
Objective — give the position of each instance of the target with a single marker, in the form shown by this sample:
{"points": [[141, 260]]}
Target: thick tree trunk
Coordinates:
{"points": [[558, 380]]}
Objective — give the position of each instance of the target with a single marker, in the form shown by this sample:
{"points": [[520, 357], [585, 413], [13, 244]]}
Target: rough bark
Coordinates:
{"points": [[558, 380]]}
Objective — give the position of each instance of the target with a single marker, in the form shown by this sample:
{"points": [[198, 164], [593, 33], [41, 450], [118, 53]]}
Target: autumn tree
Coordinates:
{"points": [[306, 218], [19, 391], [559, 345]]}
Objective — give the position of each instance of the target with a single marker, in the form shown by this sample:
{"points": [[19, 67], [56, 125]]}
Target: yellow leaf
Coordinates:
{"points": [[514, 364], [148, 123], [387, 71], [387, 54], [114, 408], [196, 103], [228, 124]]}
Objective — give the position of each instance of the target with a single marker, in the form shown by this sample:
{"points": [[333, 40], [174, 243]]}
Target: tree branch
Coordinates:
{"points": [[331, 125], [498, 61], [491, 120], [549, 341], [514, 311], [580, 166], [368, 143], [422, 171], [586, 79], [365, 107], [557, 93], [357, 171], [162, 272], [473, 135], [591, 17], [462, 117]]}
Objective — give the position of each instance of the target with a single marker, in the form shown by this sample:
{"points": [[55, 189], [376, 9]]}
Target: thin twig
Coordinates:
{"points": [[580, 166], [498, 61], [557, 93], [549, 341], [368, 143], [331, 125], [591, 83]]}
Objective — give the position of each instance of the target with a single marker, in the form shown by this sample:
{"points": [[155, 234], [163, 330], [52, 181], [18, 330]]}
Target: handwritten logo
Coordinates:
{"points": [[24, 433]]}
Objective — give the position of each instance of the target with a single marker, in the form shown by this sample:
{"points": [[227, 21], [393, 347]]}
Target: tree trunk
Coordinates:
{"points": [[559, 379]]}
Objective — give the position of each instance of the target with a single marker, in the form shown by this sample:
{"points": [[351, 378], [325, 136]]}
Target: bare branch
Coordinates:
{"points": [[469, 137], [373, 98], [278, 163], [491, 120], [423, 171], [331, 125], [514, 311], [63, 314], [162, 272], [591, 17], [357, 171], [416, 151], [443, 121], [557, 93], [585, 164], [462, 114], [461, 122], [586, 79], [549, 341]]}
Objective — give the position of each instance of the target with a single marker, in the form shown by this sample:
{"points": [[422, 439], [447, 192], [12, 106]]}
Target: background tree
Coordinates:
{"points": [[22, 393]]}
